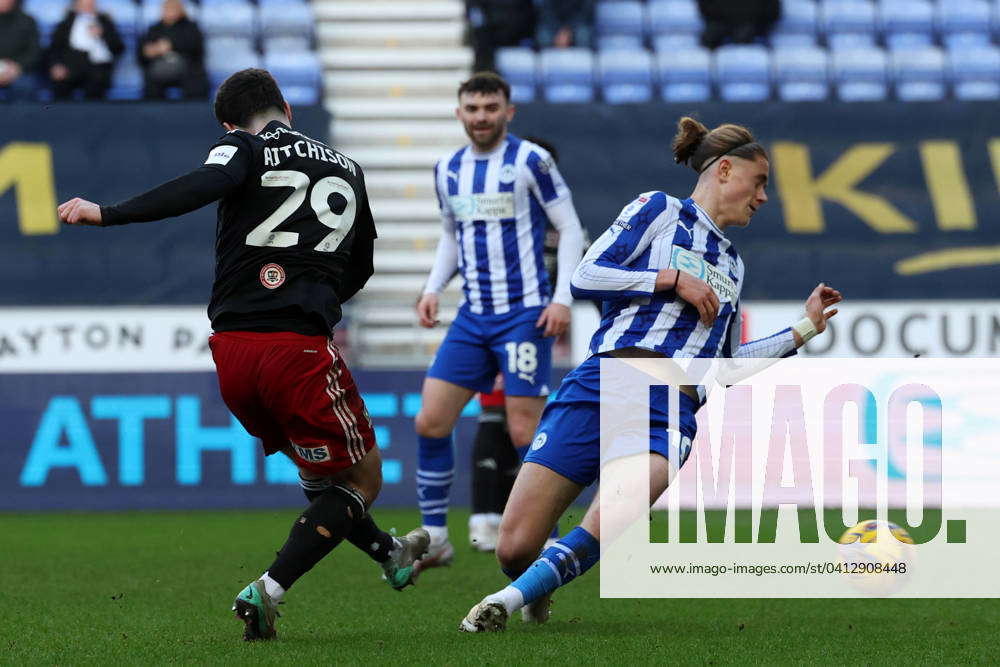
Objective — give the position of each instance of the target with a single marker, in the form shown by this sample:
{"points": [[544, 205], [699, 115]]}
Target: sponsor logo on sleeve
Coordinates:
{"points": [[221, 155], [629, 211]]}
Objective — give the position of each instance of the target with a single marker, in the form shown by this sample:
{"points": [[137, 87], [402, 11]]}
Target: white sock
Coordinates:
{"points": [[439, 534], [274, 590], [511, 598]]}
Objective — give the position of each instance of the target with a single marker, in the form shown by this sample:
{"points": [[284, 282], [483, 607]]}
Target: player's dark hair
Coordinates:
{"points": [[486, 83], [246, 94], [546, 145], [697, 146]]}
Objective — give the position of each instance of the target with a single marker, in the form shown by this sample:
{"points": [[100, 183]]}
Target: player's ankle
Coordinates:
{"points": [[511, 598]]}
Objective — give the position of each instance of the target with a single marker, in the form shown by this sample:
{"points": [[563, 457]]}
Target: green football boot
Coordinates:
{"points": [[398, 570], [254, 607]]}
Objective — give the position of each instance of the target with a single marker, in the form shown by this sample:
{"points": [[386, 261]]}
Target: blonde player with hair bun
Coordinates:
{"points": [[644, 269]]}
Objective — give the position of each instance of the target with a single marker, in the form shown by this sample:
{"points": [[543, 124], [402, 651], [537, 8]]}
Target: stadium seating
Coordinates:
{"points": [[286, 43], [674, 17], [743, 73], [685, 76], [298, 74], [975, 72], [800, 73], [125, 14], [237, 19], [964, 22], [222, 64], [919, 74], [621, 42], [127, 81], [620, 18], [668, 42], [797, 26], [859, 75], [626, 76], [906, 23], [567, 75], [520, 67], [848, 23], [47, 13], [293, 19], [861, 50]]}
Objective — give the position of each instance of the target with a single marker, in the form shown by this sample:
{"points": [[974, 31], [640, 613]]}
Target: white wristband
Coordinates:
{"points": [[805, 328]]}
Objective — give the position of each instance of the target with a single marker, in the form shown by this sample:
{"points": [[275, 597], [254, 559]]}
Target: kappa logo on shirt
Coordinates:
{"points": [[694, 264]]}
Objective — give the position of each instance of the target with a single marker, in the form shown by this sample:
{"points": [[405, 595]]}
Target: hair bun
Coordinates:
{"points": [[690, 134]]}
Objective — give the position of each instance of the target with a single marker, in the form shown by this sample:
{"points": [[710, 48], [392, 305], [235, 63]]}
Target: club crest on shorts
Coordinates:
{"points": [[539, 441], [272, 276]]}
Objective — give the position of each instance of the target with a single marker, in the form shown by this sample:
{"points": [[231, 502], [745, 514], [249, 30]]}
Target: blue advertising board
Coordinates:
{"points": [[102, 441]]}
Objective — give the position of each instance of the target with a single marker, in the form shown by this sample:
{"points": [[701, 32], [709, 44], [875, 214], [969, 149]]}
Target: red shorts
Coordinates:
{"points": [[494, 399], [295, 393]]}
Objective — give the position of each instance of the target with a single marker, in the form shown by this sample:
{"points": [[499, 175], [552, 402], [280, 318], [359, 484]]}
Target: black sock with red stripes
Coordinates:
{"points": [[326, 522]]}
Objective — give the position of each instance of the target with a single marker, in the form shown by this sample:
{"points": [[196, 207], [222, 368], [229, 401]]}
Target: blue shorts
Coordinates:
{"points": [[568, 439], [478, 346]]}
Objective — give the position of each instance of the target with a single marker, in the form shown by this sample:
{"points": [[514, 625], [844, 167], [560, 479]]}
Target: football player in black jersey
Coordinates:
{"points": [[294, 241]]}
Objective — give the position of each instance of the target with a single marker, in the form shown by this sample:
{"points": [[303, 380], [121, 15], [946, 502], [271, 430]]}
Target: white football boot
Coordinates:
{"points": [[487, 616]]}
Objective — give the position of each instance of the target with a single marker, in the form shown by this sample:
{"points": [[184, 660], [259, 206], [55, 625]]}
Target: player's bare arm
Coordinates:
{"points": [[427, 310], [555, 319]]}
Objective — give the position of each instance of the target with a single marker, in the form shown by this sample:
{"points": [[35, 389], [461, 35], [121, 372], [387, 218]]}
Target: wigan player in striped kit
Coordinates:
{"points": [[497, 196], [644, 268]]}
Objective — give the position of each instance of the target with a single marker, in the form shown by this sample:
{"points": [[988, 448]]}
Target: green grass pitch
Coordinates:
{"points": [[152, 588]]}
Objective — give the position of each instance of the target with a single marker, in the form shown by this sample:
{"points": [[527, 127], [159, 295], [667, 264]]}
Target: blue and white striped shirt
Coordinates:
{"points": [[495, 205], [653, 232]]}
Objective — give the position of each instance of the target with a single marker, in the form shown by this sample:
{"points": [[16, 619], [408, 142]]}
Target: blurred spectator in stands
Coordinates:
{"points": [[563, 23], [172, 53], [20, 51], [83, 51], [742, 22], [496, 23]]}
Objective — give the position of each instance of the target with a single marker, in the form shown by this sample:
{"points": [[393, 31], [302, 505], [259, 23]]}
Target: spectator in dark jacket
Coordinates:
{"points": [[20, 51], [741, 22], [84, 47], [563, 23], [496, 23], [173, 53]]}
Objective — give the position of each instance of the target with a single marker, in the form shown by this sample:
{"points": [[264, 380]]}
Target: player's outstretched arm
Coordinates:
{"points": [[206, 184], [816, 313]]}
